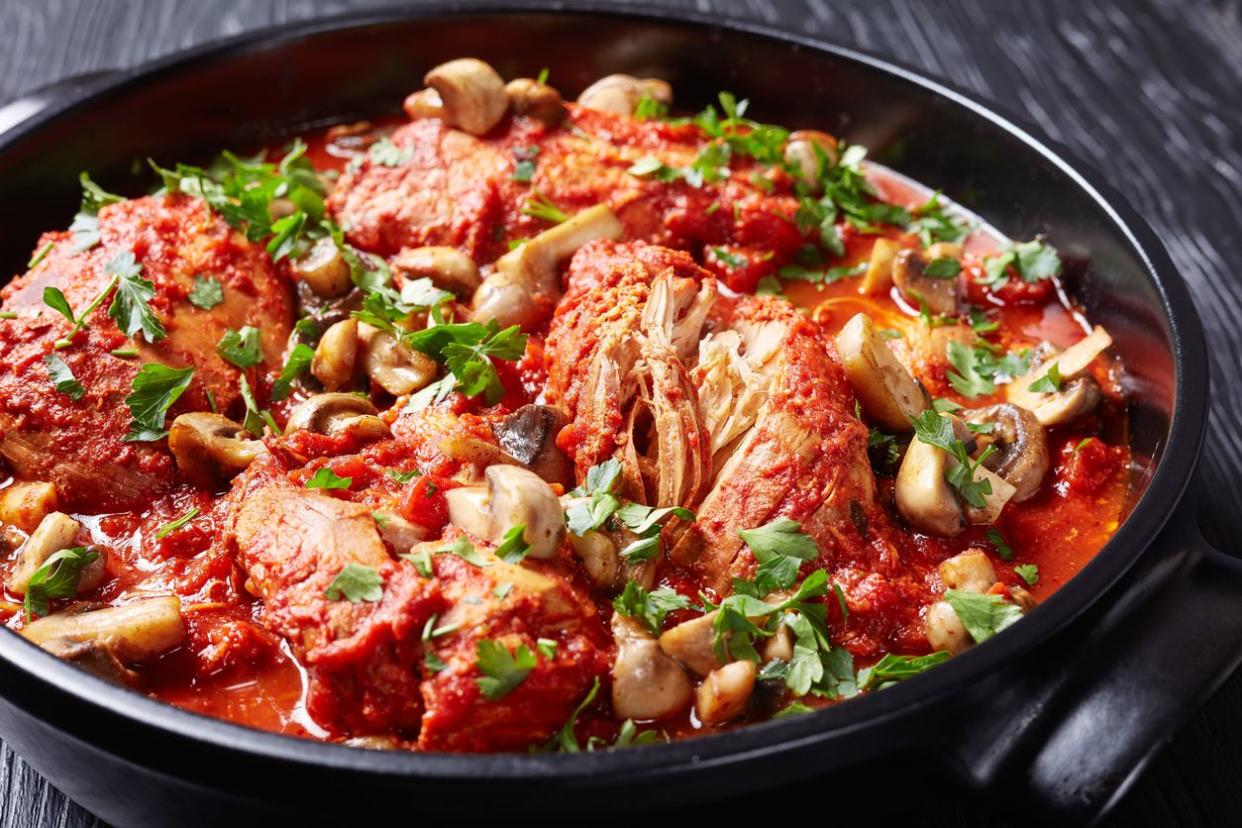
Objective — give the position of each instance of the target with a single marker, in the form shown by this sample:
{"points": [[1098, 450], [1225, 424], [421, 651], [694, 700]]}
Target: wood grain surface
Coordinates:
{"points": [[1148, 91]]}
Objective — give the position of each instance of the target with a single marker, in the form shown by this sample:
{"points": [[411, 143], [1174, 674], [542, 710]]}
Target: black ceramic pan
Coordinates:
{"points": [[1058, 713]]}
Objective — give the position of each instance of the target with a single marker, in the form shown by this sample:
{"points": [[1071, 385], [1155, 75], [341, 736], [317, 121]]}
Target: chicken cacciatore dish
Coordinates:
{"points": [[519, 424]]}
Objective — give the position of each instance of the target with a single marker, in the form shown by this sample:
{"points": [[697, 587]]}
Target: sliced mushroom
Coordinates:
{"points": [[471, 93], [691, 643], [393, 365], [136, 632], [446, 267], [599, 557], [513, 497], [725, 693], [945, 630], [528, 435], [211, 448], [924, 498], [336, 354], [889, 396], [969, 571], [425, 103], [999, 493], [25, 505], [1022, 457], [879, 276], [620, 94], [1079, 392], [398, 532], [780, 646], [646, 683], [510, 295], [910, 276], [533, 99], [55, 532], [336, 414], [324, 270], [808, 152]]}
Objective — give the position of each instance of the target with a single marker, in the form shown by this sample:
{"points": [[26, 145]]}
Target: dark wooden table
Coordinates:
{"points": [[1148, 91]]}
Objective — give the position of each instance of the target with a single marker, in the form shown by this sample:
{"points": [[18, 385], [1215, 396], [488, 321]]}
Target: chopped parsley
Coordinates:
{"points": [[40, 255], [649, 109], [173, 525], [513, 546], [982, 614], [1028, 572], [356, 583], [502, 670], [936, 430], [780, 547], [467, 350], [540, 207], [387, 154], [130, 306], [932, 224], [154, 390], [998, 543], [1032, 260], [1049, 383], [241, 347], [586, 515], [403, 477], [296, 365], [645, 522], [978, 369], [85, 227], [62, 377], [651, 608], [325, 478], [524, 163], [464, 549], [256, 418], [58, 577], [206, 293], [943, 268], [894, 668]]}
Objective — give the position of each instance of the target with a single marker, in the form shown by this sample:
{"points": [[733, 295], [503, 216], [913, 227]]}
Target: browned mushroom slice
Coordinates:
{"points": [[339, 413], [528, 435], [1021, 455], [1078, 391], [211, 448], [920, 283]]}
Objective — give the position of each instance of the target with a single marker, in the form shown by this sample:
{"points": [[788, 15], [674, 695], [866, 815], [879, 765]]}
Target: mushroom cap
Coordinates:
{"points": [[646, 683], [924, 497], [338, 413], [210, 447], [472, 94], [1022, 456]]}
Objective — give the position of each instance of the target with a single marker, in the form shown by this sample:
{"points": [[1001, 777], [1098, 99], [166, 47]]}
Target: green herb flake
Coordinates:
{"points": [[1049, 383], [983, 615], [173, 525], [1028, 572], [513, 546], [130, 308], [998, 543], [540, 207], [62, 377], [325, 478], [356, 583], [502, 670], [651, 608], [894, 668], [58, 577], [206, 293], [241, 347], [297, 364], [40, 255], [154, 390]]}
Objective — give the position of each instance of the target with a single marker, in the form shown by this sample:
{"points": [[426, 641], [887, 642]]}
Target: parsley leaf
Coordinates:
{"points": [[780, 547], [173, 525], [540, 207], [241, 347], [58, 577], [502, 670], [356, 583], [467, 350], [565, 740], [979, 369], [933, 224], [936, 430], [206, 293], [998, 543], [62, 377], [55, 299], [1028, 572], [943, 268], [524, 163], [1049, 383], [325, 478], [298, 363], [982, 614], [155, 388], [1033, 260], [464, 549], [256, 418], [85, 227], [651, 608], [129, 305], [513, 546], [894, 668]]}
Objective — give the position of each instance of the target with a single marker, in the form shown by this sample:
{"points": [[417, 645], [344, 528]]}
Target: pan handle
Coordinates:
{"points": [[36, 100], [1096, 705]]}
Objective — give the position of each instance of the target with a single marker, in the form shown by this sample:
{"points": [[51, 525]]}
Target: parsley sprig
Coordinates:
{"points": [[935, 429], [58, 577]]}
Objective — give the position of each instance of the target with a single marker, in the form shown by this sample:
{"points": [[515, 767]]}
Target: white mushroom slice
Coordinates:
{"points": [[879, 276], [533, 99], [337, 413], [969, 571], [690, 642], [446, 267], [924, 497], [393, 365], [211, 447], [620, 94], [135, 632], [324, 270], [889, 396], [599, 557], [472, 94], [646, 683], [1077, 395], [333, 364], [25, 505], [945, 630], [510, 294], [513, 497], [725, 693], [55, 532]]}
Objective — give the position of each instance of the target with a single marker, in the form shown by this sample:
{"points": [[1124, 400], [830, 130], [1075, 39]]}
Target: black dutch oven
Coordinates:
{"points": [[1053, 717]]}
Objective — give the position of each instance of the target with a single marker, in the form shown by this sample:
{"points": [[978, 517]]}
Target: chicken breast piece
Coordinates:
{"points": [[78, 444]]}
